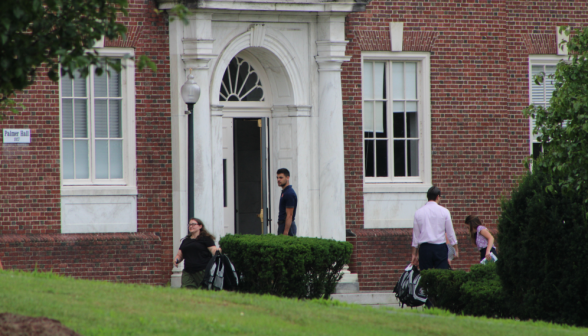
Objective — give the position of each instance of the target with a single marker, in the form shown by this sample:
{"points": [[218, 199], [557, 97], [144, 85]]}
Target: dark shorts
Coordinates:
{"points": [[282, 226], [483, 253], [192, 280], [433, 256]]}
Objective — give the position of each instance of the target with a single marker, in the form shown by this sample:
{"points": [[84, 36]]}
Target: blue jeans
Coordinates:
{"points": [[292, 231]]}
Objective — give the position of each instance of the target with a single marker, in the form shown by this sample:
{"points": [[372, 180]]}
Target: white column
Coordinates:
{"points": [[331, 54], [198, 43], [300, 120], [218, 226], [190, 48], [179, 145]]}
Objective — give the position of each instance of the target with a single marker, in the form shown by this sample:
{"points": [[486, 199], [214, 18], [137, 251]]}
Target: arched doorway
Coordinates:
{"points": [[247, 196]]}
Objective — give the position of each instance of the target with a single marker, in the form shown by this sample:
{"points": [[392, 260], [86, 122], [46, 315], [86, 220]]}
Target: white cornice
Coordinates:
{"points": [[315, 7]]}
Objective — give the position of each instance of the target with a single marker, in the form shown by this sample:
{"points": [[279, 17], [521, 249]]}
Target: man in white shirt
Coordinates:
{"points": [[432, 227]]}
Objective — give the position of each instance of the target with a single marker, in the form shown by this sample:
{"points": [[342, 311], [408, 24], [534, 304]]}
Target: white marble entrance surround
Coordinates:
{"points": [[299, 48]]}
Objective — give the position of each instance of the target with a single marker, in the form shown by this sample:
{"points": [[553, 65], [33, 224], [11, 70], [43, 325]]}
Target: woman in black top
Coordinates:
{"points": [[197, 249]]}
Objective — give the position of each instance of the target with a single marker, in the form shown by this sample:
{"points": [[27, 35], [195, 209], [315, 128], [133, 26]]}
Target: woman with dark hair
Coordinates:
{"points": [[481, 237], [197, 248]]}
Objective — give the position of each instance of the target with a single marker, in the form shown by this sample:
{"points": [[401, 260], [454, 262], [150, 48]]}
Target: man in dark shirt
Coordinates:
{"points": [[288, 203]]}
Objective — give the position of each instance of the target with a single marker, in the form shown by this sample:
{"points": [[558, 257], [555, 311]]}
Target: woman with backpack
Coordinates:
{"points": [[197, 248], [481, 237]]}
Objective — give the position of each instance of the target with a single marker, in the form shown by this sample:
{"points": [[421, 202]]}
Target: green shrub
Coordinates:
{"points": [[477, 293], [542, 238], [287, 266], [443, 287]]}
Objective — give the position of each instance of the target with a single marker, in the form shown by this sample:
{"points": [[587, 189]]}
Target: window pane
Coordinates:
{"points": [[410, 77], [67, 118], [381, 158], [368, 119], [411, 106], [368, 81], [399, 158], [379, 80], [100, 85], [116, 159], [101, 159], [412, 120], [79, 85], [81, 119], [413, 157], [537, 93], [82, 171], [412, 127], [115, 119], [68, 159], [380, 120], [537, 149], [398, 106], [66, 89], [114, 87], [369, 158], [549, 83], [398, 80], [398, 124], [101, 118], [533, 124]]}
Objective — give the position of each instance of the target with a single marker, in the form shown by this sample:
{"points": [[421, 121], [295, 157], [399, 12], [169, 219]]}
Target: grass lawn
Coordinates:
{"points": [[102, 308]]}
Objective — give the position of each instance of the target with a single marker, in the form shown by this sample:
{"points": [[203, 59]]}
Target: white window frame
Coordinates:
{"points": [[126, 185], [423, 181], [539, 60]]}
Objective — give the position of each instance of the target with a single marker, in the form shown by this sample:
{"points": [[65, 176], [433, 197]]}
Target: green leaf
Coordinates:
{"points": [[18, 12]]}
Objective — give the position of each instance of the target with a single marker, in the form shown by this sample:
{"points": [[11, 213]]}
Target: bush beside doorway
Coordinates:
{"points": [[286, 266]]}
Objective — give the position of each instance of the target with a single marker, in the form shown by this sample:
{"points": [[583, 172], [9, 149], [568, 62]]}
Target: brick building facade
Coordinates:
{"points": [[30, 180], [472, 62], [480, 56]]}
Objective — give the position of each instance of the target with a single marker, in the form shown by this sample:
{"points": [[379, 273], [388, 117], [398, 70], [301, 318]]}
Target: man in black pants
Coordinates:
{"points": [[288, 203], [432, 227]]}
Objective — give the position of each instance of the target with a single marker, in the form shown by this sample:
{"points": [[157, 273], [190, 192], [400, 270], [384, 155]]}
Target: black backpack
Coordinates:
{"points": [[220, 273], [408, 290]]}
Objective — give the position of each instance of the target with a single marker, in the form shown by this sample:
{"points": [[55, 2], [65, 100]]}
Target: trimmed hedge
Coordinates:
{"points": [[287, 266], [543, 237], [477, 293]]}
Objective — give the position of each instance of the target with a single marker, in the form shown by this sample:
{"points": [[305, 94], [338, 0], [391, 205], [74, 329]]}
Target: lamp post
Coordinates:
{"points": [[190, 94]]}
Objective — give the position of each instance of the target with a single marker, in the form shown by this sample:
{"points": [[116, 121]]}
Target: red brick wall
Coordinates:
{"points": [[479, 86], [30, 173], [380, 256], [125, 257]]}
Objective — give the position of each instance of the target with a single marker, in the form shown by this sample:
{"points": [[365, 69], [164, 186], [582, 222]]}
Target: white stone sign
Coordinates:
{"points": [[17, 135]]}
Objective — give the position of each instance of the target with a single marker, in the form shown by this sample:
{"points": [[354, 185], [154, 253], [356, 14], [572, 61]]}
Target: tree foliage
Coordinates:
{"points": [[542, 251], [35, 33], [52, 32], [563, 126]]}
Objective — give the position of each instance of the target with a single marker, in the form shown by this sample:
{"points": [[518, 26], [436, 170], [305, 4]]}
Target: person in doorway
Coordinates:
{"points": [[431, 227], [481, 237], [197, 248], [288, 203]]}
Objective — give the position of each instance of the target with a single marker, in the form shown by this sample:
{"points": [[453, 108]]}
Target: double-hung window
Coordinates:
{"points": [[396, 118], [97, 126], [540, 94]]}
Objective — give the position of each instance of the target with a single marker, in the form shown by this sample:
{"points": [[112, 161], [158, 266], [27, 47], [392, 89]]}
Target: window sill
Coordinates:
{"points": [[369, 188], [98, 191]]}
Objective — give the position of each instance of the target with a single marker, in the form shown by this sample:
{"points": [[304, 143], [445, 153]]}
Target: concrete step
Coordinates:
{"points": [[383, 299], [347, 287], [367, 298]]}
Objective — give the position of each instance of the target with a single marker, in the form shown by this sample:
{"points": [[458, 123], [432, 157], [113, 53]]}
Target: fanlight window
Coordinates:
{"points": [[241, 83]]}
